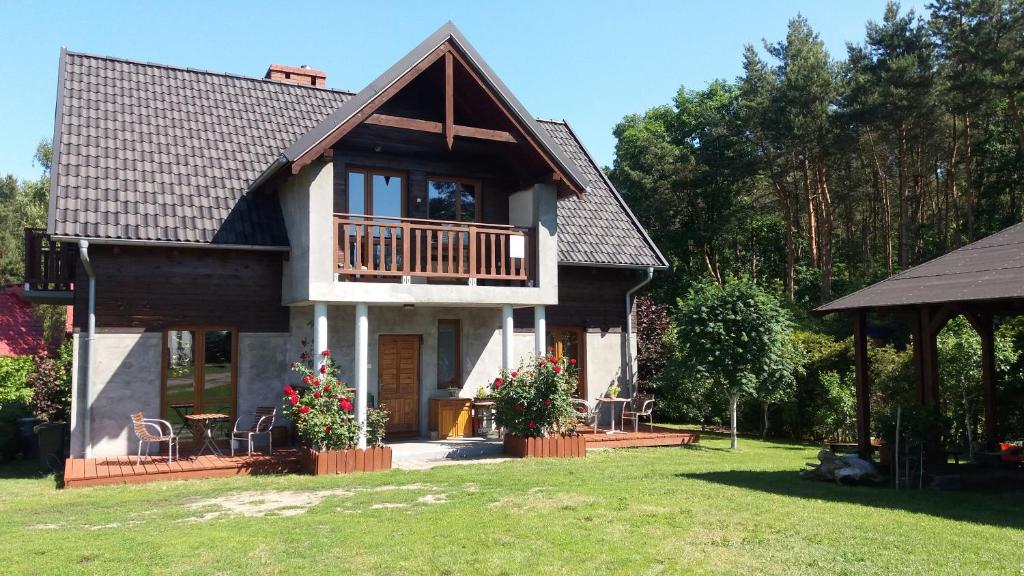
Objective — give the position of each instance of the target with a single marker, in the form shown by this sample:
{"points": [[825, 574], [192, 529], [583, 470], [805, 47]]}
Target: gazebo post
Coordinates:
{"points": [[926, 365], [860, 364], [982, 323]]}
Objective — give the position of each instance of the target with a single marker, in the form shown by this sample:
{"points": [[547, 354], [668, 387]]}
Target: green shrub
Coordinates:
{"points": [[376, 424], [835, 416], [15, 395], [14, 372]]}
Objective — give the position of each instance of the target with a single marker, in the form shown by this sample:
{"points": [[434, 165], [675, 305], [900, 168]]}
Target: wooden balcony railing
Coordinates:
{"points": [[49, 264], [374, 246]]}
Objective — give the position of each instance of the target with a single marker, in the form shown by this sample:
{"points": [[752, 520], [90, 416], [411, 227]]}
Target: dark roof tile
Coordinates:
{"points": [[988, 269], [152, 152]]}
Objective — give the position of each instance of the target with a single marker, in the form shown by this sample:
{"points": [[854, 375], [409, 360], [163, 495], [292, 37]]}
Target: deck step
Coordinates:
{"points": [[450, 449]]}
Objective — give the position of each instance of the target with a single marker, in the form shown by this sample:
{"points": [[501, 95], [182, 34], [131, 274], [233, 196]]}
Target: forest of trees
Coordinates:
{"points": [[812, 175], [817, 174]]}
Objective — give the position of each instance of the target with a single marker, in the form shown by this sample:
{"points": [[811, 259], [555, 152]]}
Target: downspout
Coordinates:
{"points": [[630, 381], [83, 253]]}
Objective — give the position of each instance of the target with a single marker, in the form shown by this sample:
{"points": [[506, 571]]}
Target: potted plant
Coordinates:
{"points": [[322, 412], [483, 410], [534, 406], [613, 391]]}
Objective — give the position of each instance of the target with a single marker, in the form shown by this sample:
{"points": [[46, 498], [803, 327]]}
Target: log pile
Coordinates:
{"points": [[845, 469]]}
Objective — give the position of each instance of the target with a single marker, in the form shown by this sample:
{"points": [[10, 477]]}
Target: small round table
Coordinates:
{"points": [[206, 422], [612, 402]]}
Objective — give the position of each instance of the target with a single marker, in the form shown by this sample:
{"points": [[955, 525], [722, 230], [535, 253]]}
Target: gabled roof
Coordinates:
{"points": [[448, 33], [598, 228], [990, 269], [149, 152]]}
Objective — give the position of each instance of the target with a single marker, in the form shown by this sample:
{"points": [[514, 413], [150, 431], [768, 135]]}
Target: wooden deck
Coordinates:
{"points": [[81, 472], [660, 437]]}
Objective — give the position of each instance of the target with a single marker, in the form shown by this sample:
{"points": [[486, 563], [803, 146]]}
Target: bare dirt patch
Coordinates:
{"points": [[295, 502]]}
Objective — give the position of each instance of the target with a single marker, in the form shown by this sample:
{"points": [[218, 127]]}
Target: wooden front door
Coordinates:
{"points": [[398, 382]]}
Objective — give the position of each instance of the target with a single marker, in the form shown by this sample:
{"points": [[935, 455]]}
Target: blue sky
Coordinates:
{"points": [[590, 63]]}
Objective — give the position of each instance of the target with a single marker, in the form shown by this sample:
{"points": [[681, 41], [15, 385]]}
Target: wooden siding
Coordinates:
{"points": [[591, 298], [149, 288]]}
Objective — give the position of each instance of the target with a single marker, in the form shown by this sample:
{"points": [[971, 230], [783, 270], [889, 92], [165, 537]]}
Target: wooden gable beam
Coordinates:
{"points": [[515, 122], [449, 100], [439, 128], [370, 107]]}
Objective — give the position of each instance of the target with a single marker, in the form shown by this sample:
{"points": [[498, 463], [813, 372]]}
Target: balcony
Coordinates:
{"points": [[49, 267], [374, 248]]}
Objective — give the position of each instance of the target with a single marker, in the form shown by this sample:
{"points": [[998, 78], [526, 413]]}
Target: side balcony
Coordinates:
{"points": [[49, 268], [416, 251]]}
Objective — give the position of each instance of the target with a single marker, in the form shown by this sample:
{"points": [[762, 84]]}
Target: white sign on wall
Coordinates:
{"points": [[517, 246]]}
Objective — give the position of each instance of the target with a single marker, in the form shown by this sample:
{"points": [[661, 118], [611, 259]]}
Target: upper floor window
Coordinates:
{"points": [[376, 192], [454, 199]]}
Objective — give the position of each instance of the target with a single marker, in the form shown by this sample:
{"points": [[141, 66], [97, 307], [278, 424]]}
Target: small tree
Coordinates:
{"points": [[735, 336]]}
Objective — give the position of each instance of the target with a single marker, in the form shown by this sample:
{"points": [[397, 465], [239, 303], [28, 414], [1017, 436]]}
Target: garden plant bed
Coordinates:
{"points": [[347, 461], [546, 447]]}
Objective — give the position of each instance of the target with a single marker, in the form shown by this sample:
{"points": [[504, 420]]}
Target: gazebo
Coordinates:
{"points": [[981, 280]]}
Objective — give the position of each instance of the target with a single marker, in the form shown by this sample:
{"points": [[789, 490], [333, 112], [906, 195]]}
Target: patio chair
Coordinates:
{"points": [[586, 414], [143, 431], [643, 407], [262, 423]]}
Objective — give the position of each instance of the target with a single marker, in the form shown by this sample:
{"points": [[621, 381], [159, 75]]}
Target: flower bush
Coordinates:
{"points": [[322, 409], [536, 398]]}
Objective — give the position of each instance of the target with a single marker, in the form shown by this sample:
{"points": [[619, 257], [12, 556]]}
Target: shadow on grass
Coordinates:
{"points": [[1005, 509], [703, 448]]}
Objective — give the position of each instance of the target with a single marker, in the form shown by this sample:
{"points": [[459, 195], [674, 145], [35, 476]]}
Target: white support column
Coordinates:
{"points": [[319, 332], [540, 330], [362, 342], [506, 337]]}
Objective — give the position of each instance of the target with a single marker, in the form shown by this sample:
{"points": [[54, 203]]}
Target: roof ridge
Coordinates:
{"points": [[205, 71]]}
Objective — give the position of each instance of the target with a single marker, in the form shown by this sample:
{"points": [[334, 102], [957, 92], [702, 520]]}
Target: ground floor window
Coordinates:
{"points": [[449, 354], [200, 371], [570, 341]]}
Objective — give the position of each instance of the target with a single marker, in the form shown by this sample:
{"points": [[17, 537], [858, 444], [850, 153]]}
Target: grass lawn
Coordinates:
{"points": [[699, 510]]}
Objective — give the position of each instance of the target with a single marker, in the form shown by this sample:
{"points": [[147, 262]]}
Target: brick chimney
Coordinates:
{"points": [[303, 75]]}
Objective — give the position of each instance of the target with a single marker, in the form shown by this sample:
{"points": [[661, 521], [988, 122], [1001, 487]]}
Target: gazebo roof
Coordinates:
{"points": [[990, 269]]}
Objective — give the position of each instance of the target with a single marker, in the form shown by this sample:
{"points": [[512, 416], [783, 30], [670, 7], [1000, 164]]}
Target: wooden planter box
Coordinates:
{"points": [[347, 461], [546, 447]]}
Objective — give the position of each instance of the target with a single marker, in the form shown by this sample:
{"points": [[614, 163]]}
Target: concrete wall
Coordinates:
{"points": [[307, 204], [127, 365], [481, 347], [481, 343], [263, 370], [606, 356], [537, 206], [126, 379]]}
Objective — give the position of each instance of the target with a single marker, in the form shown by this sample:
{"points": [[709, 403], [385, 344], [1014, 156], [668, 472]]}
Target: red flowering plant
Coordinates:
{"points": [[536, 398], [322, 408]]}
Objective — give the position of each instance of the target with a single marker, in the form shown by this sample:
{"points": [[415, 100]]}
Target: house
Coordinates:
{"points": [[427, 230], [21, 330]]}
